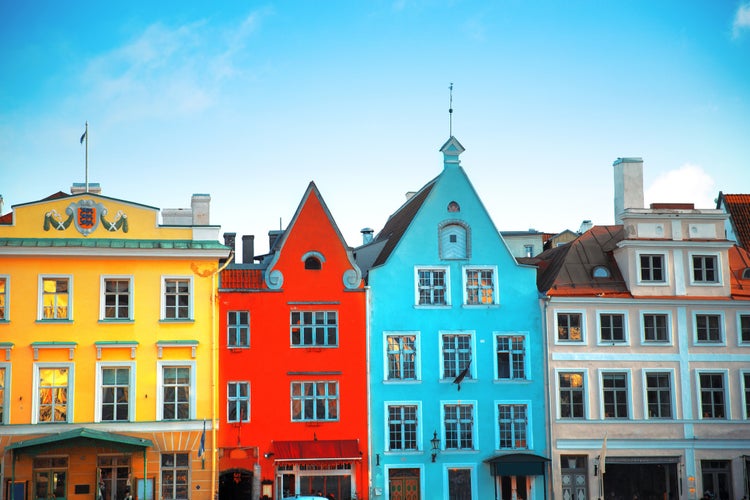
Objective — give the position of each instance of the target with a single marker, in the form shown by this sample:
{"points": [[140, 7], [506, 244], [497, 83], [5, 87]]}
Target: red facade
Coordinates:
{"points": [[293, 381]]}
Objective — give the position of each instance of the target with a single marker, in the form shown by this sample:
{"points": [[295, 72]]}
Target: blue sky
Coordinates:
{"points": [[250, 101]]}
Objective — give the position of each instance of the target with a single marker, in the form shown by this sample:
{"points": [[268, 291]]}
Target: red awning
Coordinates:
{"points": [[333, 449]]}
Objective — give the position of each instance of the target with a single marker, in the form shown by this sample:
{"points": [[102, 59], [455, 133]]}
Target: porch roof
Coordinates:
{"points": [[81, 436]]}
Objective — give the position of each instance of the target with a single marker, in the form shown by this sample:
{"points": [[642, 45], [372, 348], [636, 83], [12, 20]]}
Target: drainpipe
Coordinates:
{"points": [[545, 301]]}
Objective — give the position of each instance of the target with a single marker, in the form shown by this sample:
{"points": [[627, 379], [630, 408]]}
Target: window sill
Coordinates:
{"points": [[116, 321], [480, 306], [55, 321], [401, 381], [238, 349], [511, 381], [432, 306], [187, 320]]}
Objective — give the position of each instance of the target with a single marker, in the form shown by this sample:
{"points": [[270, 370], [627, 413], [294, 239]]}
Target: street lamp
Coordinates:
{"points": [[435, 441]]}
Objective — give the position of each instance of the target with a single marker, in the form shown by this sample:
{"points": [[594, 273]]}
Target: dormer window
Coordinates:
{"points": [[746, 273], [601, 272], [313, 261], [454, 241]]}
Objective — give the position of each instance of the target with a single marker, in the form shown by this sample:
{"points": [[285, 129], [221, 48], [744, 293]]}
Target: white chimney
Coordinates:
{"points": [[628, 185], [366, 235], [200, 204]]}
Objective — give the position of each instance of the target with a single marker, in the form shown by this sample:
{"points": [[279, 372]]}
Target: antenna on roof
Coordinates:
{"points": [[450, 112]]}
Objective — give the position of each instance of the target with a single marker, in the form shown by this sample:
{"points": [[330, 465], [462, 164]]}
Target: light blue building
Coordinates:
{"points": [[457, 393]]}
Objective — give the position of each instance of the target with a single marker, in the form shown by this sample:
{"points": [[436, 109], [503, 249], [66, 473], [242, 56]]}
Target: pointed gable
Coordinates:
{"points": [[738, 207]]}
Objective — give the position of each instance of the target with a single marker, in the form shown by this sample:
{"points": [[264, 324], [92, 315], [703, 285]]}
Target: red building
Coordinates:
{"points": [[293, 376]]}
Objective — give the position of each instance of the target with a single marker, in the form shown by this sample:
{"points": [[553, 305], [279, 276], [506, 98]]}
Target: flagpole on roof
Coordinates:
{"points": [[85, 137]]}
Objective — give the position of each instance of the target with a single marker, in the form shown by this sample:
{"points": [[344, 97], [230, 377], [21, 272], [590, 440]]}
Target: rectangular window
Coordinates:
{"points": [[116, 300], [238, 329], [571, 395], [402, 427], [513, 426], [459, 426], [3, 402], [528, 250], [745, 328], [612, 328], [431, 287], [655, 327], [615, 395], [55, 298], [459, 484], [659, 395], [652, 268], [3, 298], [746, 391], [238, 401], [456, 355], [705, 269], [115, 394], [54, 387], [315, 401], [175, 470], [402, 357], [314, 328], [511, 357], [708, 328], [177, 298], [176, 384], [569, 327], [480, 286], [713, 399]]}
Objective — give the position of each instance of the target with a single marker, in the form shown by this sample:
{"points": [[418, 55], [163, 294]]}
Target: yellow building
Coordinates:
{"points": [[107, 349]]}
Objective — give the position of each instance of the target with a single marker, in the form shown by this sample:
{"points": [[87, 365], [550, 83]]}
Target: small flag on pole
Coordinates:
{"points": [[462, 375], [202, 447], [83, 137], [603, 456]]}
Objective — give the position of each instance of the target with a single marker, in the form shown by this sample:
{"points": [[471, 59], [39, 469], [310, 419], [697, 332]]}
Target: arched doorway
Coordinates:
{"points": [[235, 484]]}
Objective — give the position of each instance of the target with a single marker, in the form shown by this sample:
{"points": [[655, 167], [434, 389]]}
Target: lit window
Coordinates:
{"points": [[571, 395], [402, 427], [55, 298], [3, 298], [480, 286], [53, 384], [315, 401], [569, 327], [402, 357]]}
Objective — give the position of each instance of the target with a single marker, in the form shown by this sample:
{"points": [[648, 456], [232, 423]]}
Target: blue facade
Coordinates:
{"points": [[456, 351]]}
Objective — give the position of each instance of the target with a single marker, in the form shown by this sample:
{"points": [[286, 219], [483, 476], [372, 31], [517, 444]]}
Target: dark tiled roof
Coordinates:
{"points": [[568, 269], [738, 206], [397, 223]]}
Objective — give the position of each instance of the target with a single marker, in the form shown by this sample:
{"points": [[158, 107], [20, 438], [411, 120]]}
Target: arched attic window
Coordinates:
{"points": [[313, 261], [601, 272], [746, 273]]}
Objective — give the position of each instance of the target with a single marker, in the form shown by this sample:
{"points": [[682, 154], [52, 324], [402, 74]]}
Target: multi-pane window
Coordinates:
{"points": [[513, 426], [115, 396], [402, 427], [2, 394], [659, 395], [652, 268], [569, 327], [177, 298], [511, 357], [746, 388], [744, 328], [176, 392], [705, 269], [175, 470], [238, 329], [459, 483], [571, 395], [55, 298], [314, 328], [459, 426], [480, 286], [315, 401], [708, 328], [54, 387], [612, 327], [3, 298], [117, 298], [402, 357], [615, 395], [655, 327], [456, 354], [713, 400], [432, 287], [238, 401]]}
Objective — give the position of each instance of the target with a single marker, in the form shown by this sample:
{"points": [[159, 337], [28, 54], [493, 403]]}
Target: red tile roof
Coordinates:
{"points": [[738, 206]]}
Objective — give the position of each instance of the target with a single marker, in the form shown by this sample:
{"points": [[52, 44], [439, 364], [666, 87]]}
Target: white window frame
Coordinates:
{"points": [[722, 331], [446, 271], [40, 309], [474, 424], [417, 357], [526, 361], [386, 430], [665, 270], [625, 328], [725, 387], [584, 394], [666, 313], [495, 287], [465, 466], [70, 405], [745, 389], [6, 393], [529, 424], [719, 269], [249, 400], [191, 299], [672, 390], [580, 312], [628, 395], [472, 366], [102, 296], [160, 365], [740, 314], [6, 296], [100, 366]]}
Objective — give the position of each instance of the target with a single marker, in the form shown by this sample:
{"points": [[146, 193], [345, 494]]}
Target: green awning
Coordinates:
{"points": [[518, 464], [79, 437]]}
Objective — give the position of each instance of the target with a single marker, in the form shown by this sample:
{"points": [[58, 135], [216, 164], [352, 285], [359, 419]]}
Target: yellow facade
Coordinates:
{"points": [[107, 350]]}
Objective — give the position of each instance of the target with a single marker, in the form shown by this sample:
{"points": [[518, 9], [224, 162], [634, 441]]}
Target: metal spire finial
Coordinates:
{"points": [[450, 112]]}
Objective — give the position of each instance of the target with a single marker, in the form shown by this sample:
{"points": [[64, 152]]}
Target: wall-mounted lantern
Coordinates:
{"points": [[435, 441]]}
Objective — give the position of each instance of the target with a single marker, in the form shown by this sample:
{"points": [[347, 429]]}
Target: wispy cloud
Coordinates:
{"points": [[741, 20], [687, 184]]}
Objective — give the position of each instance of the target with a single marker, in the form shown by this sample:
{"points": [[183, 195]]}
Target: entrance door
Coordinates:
{"points": [[114, 474], [403, 484], [716, 479], [514, 488], [50, 478], [235, 484]]}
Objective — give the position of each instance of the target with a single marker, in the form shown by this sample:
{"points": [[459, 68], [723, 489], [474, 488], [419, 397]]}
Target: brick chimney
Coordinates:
{"points": [[248, 248]]}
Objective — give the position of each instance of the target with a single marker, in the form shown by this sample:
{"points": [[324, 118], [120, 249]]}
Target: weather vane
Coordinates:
{"points": [[450, 112]]}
